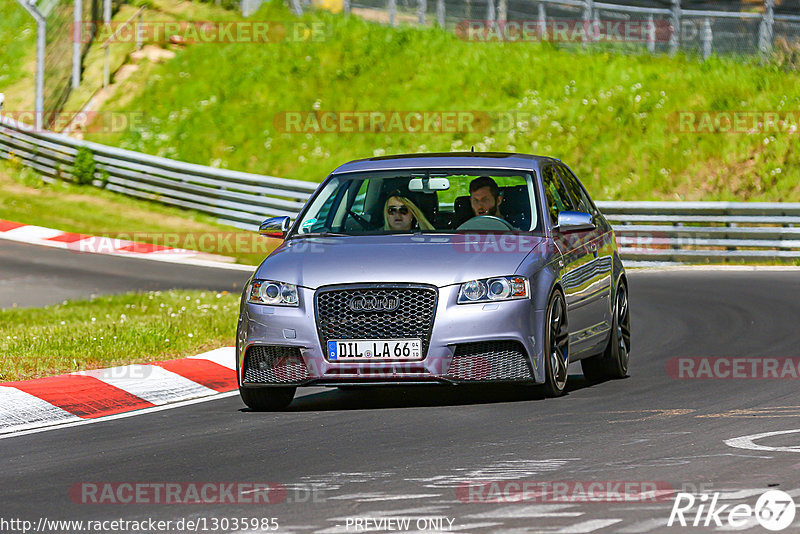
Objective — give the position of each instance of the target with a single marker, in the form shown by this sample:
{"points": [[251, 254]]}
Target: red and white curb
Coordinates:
{"points": [[84, 395], [88, 244]]}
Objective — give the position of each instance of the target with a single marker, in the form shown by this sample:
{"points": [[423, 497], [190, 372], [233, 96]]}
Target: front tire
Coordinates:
{"points": [[267, 399], [613, 362], [556, 357]]}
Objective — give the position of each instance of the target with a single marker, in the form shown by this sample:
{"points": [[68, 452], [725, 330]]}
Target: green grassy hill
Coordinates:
{"points": [[612, 117]]}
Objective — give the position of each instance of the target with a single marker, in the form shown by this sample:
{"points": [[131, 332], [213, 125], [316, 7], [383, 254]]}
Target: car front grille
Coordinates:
{"points": [[274, 365], [412, 316], [490, 360]]}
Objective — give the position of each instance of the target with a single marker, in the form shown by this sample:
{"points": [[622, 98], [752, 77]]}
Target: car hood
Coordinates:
{"points": [[431, 259]]}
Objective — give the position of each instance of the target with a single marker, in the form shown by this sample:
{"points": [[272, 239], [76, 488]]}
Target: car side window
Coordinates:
{"points": [[579, 197], [557, 197]]}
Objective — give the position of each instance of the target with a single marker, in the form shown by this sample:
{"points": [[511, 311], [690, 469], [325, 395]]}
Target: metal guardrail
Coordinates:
{"points": [[646, 231], [237, 198], [705, 231]]}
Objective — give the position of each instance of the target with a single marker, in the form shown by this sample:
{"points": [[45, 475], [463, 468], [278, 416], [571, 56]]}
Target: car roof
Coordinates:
{"points": [[496, 160]]}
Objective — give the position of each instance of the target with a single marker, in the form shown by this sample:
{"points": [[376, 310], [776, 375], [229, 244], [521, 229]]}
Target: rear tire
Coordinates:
{"points": [[267, 399], [556, 356], [613, 362]]}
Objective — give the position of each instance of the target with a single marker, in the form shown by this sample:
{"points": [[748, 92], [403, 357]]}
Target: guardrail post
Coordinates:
{"points": [[491, 14], [765, 29], [542, 22], [675, 36], [502, 10], [346, 7], [41, 43], [77, 15], [393, 12], [708, 38], [588, 14], [106, 67], [422, 7], [139, 35], [440, 14], [651, 34]]}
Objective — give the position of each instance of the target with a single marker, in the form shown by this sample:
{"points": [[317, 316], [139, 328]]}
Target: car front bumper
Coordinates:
{"points": [[468, 343]]}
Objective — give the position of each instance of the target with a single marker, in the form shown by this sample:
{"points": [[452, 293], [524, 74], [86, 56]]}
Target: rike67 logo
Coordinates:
{"points": [[774, 510]]}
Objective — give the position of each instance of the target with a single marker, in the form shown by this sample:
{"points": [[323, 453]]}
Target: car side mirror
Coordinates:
{"points": [[276, 227], [574, 221]]}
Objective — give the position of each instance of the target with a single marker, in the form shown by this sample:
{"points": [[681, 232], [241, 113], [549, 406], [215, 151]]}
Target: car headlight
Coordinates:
{"points": [[272, 293], [494, 289]]}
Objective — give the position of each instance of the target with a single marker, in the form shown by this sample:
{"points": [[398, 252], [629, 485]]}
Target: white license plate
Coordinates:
{"points": [[374, 349]]}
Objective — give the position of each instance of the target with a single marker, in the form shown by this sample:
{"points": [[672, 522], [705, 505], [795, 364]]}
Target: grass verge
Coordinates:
{"points": [[113, 330], [25, 198]]}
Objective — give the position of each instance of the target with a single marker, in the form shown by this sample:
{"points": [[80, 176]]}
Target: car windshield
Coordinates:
{"points": [[423, 201]]}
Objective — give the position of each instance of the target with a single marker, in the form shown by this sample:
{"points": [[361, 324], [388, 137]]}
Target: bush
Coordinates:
{"points": [[84, 167]]}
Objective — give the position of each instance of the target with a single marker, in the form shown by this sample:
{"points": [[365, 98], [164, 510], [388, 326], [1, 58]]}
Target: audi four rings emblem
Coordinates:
{"points": [[370, 303]]}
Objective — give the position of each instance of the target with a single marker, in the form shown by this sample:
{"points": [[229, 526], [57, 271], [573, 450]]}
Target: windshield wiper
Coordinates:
{"points": [[319, 234]]}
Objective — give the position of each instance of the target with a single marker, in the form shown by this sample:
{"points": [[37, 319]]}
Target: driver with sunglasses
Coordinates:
{"points": [[401, 215]]}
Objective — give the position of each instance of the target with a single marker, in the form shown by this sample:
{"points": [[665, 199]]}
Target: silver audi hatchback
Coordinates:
{"points": [[457, 268]]}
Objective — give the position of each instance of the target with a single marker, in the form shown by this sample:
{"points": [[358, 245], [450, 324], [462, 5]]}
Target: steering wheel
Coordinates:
{"points": [[486, 222], [365, 224]]}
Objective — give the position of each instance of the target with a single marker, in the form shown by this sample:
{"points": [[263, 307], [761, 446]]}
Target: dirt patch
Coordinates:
{"points": [[153, 53], [124, 72]]}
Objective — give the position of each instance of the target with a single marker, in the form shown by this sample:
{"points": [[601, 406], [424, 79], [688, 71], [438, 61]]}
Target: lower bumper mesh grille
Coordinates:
{"points": [[274, 365], [490, 360]]}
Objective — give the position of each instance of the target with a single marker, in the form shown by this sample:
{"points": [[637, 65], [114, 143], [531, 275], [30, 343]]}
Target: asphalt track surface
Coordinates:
{"points": [[391, 453], [34, 275]]}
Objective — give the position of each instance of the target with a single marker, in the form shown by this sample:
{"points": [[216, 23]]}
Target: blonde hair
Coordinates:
{"points": [[422, 221]]}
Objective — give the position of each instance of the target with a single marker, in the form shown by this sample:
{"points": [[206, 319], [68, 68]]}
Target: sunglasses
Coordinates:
{"points": [[403, 210]]}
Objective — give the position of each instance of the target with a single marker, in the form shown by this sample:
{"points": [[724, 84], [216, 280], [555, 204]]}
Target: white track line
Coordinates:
{"points": [[712, 268]]}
